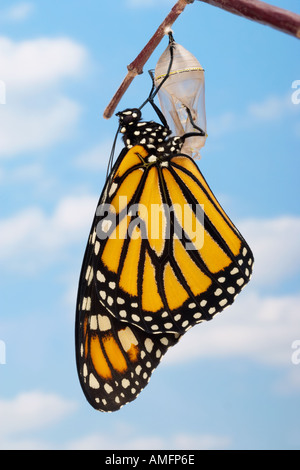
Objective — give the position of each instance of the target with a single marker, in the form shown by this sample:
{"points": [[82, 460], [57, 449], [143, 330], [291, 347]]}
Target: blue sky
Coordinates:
{"points": [[231, 384]]}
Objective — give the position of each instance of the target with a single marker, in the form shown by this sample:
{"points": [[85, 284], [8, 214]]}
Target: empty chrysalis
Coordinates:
{"points": [[182, 95]]}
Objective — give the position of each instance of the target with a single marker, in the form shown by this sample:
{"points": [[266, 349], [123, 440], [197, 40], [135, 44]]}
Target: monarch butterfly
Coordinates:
{"points": [[162, 256]]}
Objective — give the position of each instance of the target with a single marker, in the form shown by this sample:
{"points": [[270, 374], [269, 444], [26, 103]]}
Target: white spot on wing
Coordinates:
{"points": [[97, 247], [100, 276], [234, 271], [127, 338], [112, 189], [125, 383], [149, 345], [218, 292], [93, 382], [93, 322], [108, 388], [104, 322], [102, 294]]}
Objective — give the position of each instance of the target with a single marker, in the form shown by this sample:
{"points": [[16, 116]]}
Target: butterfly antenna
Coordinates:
{"points": [[154, 90], [112, 154]]}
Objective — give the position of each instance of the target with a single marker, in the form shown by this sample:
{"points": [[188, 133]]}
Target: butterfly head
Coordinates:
{"points": [[128, 117]]}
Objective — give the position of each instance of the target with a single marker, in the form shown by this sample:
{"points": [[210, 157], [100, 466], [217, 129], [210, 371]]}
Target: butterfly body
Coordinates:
{"points": [[162, 256]]}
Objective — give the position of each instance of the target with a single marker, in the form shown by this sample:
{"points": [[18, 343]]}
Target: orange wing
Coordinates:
{"points": [[167, 255], [162, 256], [115, 359]]}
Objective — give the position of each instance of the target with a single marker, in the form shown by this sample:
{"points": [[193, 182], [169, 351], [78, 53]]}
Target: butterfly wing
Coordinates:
{"points": [[168, 256], [162, 256], [115, 359]]}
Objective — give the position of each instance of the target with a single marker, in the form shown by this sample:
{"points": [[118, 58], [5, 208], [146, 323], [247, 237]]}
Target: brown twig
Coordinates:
{"points": [[255, 10], [136, 67], [262, 12]]}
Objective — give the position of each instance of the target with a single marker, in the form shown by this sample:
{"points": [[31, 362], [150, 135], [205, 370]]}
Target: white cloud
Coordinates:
{"points": [[34, 174], [25, 415], [201, 441], [271, 109], [290, 382], [276, 248], [30, 64], [31, 411], [176, 441], [96, 158], [36, 113], [32, 239], [18, 12], [254, 327], [24, 444], [24, 128]]}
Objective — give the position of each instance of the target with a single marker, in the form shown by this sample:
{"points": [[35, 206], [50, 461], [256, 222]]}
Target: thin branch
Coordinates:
{"points": [[262, 12], [255, 10], [136, 67]]}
